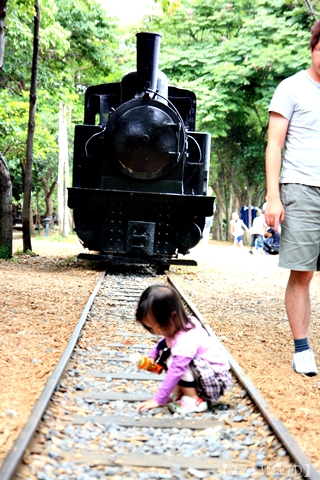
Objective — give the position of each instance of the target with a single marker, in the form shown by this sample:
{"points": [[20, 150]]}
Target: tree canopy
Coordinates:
{"points": [[78, 47], [232, 54]]}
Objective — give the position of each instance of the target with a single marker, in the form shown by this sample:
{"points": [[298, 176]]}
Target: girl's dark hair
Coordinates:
{"points": [[160, 302], [315, 35]]}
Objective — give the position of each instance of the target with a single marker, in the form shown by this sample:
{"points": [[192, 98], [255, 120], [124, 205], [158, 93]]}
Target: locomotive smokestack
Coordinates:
{"points": [[148, 48]]}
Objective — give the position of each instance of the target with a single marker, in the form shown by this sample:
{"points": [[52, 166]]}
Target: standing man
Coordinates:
{"points": [[295, 125]]}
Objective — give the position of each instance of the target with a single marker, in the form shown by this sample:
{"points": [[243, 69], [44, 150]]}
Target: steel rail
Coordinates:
{"points": [[15, 455], [283, 434], [303, 465]]}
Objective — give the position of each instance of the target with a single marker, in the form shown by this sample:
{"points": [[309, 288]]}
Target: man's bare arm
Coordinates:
{"points": [[278, 126]]}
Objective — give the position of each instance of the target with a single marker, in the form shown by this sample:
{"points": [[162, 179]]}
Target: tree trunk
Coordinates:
{"points": [[48, 191], [5, 211], [26, 223], [63, 174], [3, 13], [5, 181], [217, 231], [66, 217]]}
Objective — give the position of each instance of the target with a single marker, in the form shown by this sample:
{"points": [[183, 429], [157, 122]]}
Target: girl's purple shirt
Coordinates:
{"points": [[184, 346]]}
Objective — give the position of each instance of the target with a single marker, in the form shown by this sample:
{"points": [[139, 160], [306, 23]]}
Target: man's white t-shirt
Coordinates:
{"points": [[297, 98]]}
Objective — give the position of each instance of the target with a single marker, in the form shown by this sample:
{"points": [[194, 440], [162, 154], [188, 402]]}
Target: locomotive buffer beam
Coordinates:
{"points": [[117, 259], [140, 238]]}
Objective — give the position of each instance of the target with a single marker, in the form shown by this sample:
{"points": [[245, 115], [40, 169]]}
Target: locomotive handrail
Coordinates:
{"points": [[200, 154], [167, 100], [89, 139]]}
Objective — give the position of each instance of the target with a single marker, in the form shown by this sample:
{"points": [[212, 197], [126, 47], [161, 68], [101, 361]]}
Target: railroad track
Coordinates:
{"points": [[85, 424]]}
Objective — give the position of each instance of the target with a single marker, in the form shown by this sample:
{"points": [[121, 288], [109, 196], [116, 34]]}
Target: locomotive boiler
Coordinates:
{"points": [[140, 170]]}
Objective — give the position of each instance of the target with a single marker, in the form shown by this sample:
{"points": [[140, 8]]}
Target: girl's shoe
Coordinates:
{"points": [[174, 398], [188, 405]]}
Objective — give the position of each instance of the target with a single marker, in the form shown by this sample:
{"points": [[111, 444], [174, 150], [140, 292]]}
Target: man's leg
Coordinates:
{"points": [[252, 243], [297, 302]]}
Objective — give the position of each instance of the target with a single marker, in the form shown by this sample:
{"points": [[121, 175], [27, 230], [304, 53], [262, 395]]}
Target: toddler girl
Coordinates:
{"points": [[197, 371], [237, 229]]}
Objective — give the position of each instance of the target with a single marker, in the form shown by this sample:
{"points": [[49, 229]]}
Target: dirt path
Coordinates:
{"points": [[240, 295]]}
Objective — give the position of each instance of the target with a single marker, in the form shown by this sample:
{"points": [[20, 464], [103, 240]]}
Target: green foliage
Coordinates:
{"points": [[169, 6], [233, 55], [93, 42], [13, 135], [67, 262], [56, 237], [15, 259], [5, 252], [20, 252], [77, 43], [78, 46]]}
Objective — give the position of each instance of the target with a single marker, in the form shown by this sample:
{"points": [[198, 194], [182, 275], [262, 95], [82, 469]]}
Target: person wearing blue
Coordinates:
{"points": [[271, 242], [294, 125], [257, 231]]}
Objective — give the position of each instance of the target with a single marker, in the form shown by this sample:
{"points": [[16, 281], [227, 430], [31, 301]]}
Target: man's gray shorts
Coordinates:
{"points": [[300, 230]]}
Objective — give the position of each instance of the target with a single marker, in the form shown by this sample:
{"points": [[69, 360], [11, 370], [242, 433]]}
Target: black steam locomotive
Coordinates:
{"points": [[140, 171]]}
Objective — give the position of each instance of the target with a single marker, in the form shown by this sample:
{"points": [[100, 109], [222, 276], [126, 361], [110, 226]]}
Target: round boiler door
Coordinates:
{"points": [[145, 142]]}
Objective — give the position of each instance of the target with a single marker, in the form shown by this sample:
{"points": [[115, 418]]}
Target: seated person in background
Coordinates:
{"points": [[271, 242]]}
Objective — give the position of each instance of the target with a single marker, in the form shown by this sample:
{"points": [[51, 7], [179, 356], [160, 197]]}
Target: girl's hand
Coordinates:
{"points": [[147, 405]]}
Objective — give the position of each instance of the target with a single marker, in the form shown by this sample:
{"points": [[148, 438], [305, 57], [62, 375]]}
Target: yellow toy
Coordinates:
{"points": [[145, 363]]}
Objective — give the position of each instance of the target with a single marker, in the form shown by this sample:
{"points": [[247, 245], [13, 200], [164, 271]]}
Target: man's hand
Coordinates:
{"points": [[274, 214], [147, 405]]}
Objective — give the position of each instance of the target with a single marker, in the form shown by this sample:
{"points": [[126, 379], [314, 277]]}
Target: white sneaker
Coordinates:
{"points": [[188, 405], [304, 362], [173, 398]]}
